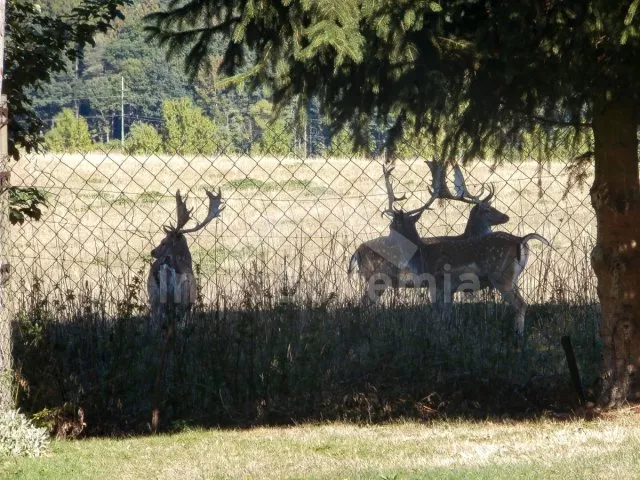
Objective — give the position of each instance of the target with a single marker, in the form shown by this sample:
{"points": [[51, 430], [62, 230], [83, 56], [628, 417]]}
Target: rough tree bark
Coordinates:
{"points": [[615, 196], [3, 7]]}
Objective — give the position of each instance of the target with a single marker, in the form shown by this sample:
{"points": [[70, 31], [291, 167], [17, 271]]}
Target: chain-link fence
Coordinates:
{"points": [[288, 219]]}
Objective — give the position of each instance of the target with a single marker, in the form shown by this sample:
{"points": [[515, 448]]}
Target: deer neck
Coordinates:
{"points": [[476, 226], [410, 234]]}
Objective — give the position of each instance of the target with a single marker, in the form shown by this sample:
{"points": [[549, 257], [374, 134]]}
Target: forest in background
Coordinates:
{"points": [[157, 93], [126, 87]]}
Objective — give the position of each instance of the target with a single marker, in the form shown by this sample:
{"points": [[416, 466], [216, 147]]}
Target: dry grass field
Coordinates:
{"points": [[285, 219]]}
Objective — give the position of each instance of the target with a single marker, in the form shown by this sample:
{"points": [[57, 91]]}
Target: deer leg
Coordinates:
{"points": [[375, 286], [371, 296], [513, 298], [442, 300]]}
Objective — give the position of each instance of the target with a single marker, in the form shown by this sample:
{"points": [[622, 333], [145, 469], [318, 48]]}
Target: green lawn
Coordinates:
{"points": [[544, 449]]}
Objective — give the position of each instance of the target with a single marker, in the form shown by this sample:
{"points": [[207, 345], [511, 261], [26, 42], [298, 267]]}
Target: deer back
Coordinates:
{"points": [[498, 256], [173, 250], [386, 257]]}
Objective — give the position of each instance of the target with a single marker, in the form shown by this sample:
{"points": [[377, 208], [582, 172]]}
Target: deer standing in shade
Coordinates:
{"points": [[446, 264], [388, 256], [171, 284], [171, 281]]}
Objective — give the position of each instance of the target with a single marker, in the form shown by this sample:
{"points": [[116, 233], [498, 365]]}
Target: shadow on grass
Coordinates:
{"points": [[295, 363]]}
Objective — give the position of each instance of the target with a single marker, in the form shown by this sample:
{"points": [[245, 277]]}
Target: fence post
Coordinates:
{"points": [[6, 400]]}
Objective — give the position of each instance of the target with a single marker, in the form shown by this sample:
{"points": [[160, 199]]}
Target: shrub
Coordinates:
{"points": [[70, 134], [19, 437], [343, 145], [143, 138], [276, 138], [188, 130], [112, 146]]}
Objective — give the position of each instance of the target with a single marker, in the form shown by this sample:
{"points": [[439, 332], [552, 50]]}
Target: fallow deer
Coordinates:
{"points": [[171, 284], [171, 281], [388, 255], [496, 259]]}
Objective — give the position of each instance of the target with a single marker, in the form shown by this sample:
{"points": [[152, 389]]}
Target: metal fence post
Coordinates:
{"points": [[6, 400]]}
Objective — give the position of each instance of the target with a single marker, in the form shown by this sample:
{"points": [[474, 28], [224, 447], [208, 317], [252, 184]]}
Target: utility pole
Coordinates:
{"points": [[122, 112]]}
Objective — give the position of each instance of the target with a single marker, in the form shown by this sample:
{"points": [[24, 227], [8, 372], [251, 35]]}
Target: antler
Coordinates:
{"points": [[184, 214], [462, 193], [216, 205], [438, 188], [390, 195]]}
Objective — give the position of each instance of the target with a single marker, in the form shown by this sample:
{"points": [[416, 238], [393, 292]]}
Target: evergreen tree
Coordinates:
{"points": [[40, 45], [490, 71]]}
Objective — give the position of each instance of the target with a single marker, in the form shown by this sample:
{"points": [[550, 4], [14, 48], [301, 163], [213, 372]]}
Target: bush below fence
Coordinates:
{"points": [[245, 365]]}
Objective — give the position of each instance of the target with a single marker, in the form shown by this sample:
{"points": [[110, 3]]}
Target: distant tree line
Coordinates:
{"points": [[167, 111], [164, 110]]}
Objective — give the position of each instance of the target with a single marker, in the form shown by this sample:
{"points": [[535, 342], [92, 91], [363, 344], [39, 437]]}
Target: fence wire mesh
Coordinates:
{"points": [[291, 219], [278, 333]]}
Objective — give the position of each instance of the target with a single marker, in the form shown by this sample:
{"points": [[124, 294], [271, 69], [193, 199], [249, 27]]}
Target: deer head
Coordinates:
{"points": [[401, 221], [483, 215]]}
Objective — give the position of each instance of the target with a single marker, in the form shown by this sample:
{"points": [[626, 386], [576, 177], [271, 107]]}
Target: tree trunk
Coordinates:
{"points": [[6, 376], [3, 8], [6, 400], [615, 196]]}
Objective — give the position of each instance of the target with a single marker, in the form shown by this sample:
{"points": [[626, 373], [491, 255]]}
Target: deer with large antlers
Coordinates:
{"points": [[389, 255], [482, 216], [445, 264], [171, 284]]}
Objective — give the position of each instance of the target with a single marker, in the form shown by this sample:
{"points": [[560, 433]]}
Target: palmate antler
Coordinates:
{"points": [[183, 214], [463, 194], [438, 190], [390, 195]]}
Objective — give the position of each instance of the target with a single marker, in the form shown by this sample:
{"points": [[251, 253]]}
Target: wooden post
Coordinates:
{"points": [[6, 398], [573, 367]]}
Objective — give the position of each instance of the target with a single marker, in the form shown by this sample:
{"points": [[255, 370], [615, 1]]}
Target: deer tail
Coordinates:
{"points": [[535, 236], [353, 262]]}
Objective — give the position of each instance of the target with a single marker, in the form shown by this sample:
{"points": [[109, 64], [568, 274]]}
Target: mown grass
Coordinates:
{"points": [[606, 448]]}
